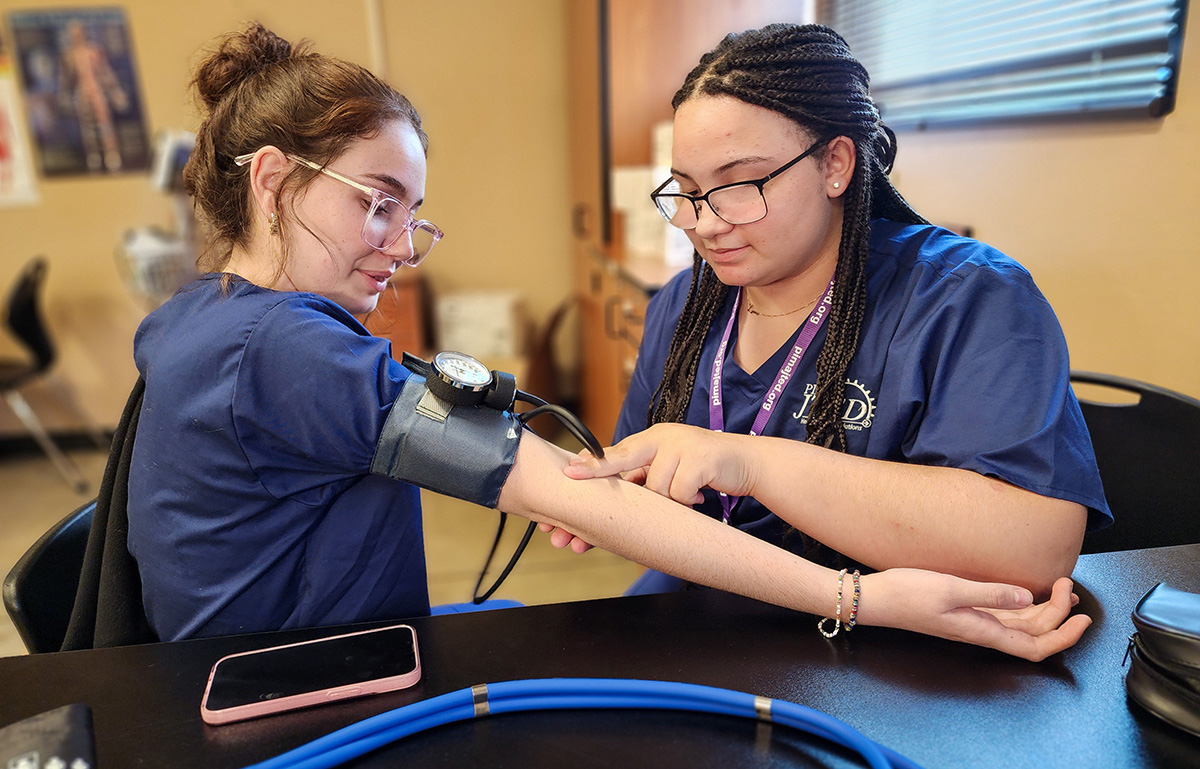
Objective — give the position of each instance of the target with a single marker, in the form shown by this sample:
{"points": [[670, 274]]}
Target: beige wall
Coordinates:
{"points": [[489, 80], [1103, 214]]}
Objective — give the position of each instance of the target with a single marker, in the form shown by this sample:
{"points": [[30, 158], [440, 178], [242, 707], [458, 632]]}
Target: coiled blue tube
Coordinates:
{"points": [[573, 693]]}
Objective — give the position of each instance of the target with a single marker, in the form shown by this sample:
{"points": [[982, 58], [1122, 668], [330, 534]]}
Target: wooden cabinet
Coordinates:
{"points": [[626, 60], [600, 393], [402, 315], [613, 307], [651, 48]]}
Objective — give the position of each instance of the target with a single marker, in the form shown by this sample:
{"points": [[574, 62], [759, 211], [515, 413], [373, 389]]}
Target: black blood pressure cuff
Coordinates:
{"points": [[465, 451]]}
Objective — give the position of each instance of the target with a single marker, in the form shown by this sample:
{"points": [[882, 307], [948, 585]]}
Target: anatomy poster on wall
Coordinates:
{"points": [[16, 168], [81, 92]]}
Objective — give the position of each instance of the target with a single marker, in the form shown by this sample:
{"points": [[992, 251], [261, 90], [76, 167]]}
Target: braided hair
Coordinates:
{"points": [[807, 74]]}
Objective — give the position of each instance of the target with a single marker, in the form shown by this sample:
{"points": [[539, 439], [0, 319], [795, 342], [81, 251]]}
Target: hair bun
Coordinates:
{"points": [[238, 57]]}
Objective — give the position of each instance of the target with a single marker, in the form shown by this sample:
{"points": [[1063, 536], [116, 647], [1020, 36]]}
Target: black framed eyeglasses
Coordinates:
{"points": [[737, 203]]}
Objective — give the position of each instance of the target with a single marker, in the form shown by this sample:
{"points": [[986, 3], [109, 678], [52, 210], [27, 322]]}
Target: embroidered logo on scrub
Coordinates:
{"points": [[860, 406]]}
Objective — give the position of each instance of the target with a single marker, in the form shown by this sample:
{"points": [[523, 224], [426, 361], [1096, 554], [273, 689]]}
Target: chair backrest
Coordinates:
{"points": [[24, 315], [39, 591], [1148, 453]]}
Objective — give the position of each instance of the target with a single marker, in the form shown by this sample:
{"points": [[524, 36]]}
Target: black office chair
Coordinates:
{"points": [[39, 591], [1148, 453], [25, 321]]}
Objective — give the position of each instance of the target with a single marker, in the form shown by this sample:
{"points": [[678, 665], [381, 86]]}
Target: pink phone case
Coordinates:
{"points": [[308, 699]]}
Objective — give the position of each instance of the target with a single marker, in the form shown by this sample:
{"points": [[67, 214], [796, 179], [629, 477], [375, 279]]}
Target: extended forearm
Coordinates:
{"points": [[650, 528], [657, 532]]}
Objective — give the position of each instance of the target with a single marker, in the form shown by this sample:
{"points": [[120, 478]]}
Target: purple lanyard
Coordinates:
{"points": [[716, 410]]}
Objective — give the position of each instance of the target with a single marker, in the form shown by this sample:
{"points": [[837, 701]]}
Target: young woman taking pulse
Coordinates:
{"points": [[864, 388], [278, 453]]}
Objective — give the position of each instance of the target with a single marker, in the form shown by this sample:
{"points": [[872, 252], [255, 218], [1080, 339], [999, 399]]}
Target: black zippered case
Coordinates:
{"points": [[1164, 654]]}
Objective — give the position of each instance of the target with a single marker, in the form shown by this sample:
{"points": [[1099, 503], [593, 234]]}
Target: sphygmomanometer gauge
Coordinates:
{"points": [[459, 379]]}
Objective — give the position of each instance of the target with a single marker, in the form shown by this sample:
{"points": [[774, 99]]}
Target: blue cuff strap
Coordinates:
{"points": [[465, 451]]}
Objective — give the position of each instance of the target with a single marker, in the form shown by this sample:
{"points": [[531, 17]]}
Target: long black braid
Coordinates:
{"points": [[805, 73]]}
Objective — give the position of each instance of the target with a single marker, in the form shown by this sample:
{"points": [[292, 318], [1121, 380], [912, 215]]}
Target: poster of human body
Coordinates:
{"points": [[16, 169], [81, 93]]}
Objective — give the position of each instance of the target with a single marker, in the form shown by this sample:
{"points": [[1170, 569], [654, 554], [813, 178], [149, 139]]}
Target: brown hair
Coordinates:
{"points": [[258, 90]]}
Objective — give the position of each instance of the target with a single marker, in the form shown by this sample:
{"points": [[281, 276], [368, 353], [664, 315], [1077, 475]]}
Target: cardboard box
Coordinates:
{"points": [[483, 324]]}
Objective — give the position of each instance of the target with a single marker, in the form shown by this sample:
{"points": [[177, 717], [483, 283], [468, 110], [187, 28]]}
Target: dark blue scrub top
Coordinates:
{"points": [[250, 504], [962, 363]]}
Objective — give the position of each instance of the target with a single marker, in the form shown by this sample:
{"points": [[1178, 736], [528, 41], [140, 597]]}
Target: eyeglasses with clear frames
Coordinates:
{"points": [[737, 203], [387, 219]]}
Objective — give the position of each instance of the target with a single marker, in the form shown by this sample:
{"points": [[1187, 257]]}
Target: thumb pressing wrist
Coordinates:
{"points": [[1007, 597]]}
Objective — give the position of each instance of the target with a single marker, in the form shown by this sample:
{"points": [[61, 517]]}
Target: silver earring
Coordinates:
{"points": [[273, 223]]}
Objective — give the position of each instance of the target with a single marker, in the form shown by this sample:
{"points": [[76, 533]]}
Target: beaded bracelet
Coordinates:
{"points": [[837, 617], [854, 602]]}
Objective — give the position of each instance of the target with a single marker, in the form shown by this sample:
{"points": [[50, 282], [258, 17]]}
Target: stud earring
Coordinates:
{"points": [[273, 223], [837, 185]]}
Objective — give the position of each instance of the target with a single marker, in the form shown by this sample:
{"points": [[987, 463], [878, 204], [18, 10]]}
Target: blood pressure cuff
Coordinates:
{"points": [[467, 454]]}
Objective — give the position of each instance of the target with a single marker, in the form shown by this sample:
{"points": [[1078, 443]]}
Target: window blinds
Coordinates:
{"points": [[959, 61]]}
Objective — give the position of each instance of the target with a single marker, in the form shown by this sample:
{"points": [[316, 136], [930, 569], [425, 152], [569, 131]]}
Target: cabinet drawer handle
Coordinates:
{"points": [[610, 319]]}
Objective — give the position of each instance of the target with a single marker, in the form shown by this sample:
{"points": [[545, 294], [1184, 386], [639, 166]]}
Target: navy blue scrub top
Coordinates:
{"points": [[250, 503], [962, 363]]}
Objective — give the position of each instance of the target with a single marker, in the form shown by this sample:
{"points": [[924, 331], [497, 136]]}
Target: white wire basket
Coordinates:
{"points": [[155, 264]]}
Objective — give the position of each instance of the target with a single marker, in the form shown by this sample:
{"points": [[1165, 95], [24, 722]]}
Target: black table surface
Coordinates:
{"points": [[942, 704]]}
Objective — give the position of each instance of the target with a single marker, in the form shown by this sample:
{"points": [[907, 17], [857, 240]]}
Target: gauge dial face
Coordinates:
{"points": [[463, 369]]}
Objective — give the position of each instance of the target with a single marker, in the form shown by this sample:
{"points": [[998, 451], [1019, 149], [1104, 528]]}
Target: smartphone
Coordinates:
{"points": [[262, 681]]}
